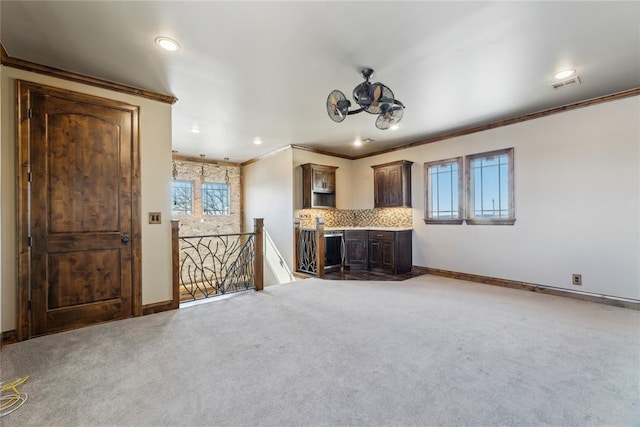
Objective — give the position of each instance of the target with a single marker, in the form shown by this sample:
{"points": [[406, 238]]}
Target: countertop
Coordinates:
{"points": [[369, 228]]}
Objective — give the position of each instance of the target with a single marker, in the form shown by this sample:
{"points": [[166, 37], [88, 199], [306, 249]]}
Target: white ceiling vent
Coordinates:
{"points": [[573, 81]]}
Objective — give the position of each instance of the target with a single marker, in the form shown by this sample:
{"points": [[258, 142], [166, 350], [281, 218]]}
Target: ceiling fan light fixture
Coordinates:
{"points": [[374, 98], [167, 44], [361, 94], [561, 75]]}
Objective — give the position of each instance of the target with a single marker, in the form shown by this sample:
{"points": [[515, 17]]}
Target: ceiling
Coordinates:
{"points": [[264, 69]]}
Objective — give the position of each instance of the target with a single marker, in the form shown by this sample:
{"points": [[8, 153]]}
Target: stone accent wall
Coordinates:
{"points": [[198, 223], [381, 217]]}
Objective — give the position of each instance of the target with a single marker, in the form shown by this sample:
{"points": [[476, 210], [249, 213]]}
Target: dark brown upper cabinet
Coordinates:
{"points": [[318, 186], [392, 184]]}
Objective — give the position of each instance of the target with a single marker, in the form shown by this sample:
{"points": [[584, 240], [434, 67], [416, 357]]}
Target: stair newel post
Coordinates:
{"points": [[258, 257], [175, 261], [296, 242], [320, 247]]}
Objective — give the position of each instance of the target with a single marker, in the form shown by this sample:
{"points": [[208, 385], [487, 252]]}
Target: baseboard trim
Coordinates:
{"points": [[9, 337], [533, 287], [159, 307]]}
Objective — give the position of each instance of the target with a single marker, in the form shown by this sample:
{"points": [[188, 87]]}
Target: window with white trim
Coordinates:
{"points": [[215, 198], [182, 198], [443, 185], [490, 187]]}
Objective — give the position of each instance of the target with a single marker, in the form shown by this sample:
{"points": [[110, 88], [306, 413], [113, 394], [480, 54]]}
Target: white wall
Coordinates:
{"points": [[155, 154], [268, 194], [577, 196]]}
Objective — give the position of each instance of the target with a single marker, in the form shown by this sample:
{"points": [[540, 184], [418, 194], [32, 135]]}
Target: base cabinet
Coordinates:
{"points": [[390, 251]]}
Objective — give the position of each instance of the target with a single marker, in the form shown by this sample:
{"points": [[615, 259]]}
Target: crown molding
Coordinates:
{"points": [[33, 67], [326, 153], [474, 129], [269, 154], [193, 159], [507, 122]]}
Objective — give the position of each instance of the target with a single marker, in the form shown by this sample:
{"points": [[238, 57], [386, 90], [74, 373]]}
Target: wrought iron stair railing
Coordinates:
{"points": [[211, 265], [309, 244]]}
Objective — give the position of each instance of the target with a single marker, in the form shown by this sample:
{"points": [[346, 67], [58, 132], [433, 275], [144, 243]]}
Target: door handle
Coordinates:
{"points": [[125, 239]]}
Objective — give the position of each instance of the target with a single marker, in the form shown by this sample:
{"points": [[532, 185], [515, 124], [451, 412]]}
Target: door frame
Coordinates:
{"points": [[24, 89]]}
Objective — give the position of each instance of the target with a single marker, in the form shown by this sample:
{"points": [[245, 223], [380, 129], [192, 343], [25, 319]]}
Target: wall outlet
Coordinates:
{"points": [[576, 279]]}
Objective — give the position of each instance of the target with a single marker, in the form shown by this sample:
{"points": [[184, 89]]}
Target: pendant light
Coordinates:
{"points": [[202, 174], [174, 171], [226, 170]]}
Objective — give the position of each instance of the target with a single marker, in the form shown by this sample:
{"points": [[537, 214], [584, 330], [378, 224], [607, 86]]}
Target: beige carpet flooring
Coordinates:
{"points": [[428, 351]]}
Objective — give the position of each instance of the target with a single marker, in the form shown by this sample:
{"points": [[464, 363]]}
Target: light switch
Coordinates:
{"points": [[155, 218]]}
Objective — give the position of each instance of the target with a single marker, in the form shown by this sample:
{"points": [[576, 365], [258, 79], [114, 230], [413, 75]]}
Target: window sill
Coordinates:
{"points": [[496, 221], [444, 221]]}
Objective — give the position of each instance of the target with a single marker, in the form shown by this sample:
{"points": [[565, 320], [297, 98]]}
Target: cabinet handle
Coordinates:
{"points": [[379, 235]]}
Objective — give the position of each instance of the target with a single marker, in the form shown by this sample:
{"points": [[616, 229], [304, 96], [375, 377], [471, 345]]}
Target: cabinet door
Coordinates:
{"points": [[357, 255], [393, 187], [319, 180], [330, 180], [324, 180], [375, 253], [388, 255], [379, 186]]}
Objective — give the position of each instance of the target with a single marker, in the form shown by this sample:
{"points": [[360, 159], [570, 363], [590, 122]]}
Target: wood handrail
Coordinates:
{"points": [[258, 257], [320, 247], [175, 261]]}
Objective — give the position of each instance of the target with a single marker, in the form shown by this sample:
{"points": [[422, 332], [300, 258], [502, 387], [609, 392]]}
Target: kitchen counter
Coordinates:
{"points": [[369, 228]]}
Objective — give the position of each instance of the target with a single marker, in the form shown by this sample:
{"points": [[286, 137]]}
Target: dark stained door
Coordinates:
{"points": [[81, 208]]}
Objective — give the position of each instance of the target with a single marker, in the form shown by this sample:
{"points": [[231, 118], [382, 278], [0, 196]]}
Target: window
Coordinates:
{"points": [[182, 198], [490, 187], [443, 184], [215, 198]]}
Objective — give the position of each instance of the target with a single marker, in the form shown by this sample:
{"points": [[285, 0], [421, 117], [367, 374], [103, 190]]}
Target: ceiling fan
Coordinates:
{"points": [[374, 98]]}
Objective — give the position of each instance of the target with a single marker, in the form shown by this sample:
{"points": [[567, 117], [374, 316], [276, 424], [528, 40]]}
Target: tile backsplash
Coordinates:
{"points": [[383, 217]]}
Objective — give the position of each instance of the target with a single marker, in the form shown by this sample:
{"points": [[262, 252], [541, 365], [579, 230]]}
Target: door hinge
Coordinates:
{"points": [[29, 305], [29, 176], [29, 113], [29, 241]]}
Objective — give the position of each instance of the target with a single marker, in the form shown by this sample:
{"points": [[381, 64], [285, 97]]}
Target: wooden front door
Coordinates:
{"points": [[80, 157]]}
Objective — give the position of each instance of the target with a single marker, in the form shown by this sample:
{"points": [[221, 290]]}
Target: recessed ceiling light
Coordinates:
{"points": [[257, 141], [167, 44], [195, 129], [564, 74], [394, 127], [357, 142]]}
